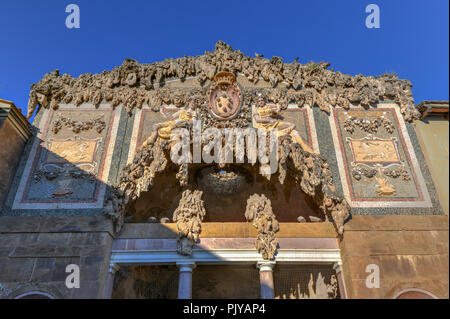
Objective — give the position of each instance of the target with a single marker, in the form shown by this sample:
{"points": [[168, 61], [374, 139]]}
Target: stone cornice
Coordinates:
{"points": [[134, 85], [430, 108], [14, 116]]}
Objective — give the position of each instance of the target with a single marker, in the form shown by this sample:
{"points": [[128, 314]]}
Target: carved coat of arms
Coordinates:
{"points": [[224, 96]]}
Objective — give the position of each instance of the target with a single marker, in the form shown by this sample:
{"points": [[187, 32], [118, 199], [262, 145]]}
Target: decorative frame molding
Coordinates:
{"points": [[103, 172], [424, 202]]}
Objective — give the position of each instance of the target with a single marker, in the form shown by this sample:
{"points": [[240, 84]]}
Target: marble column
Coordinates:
{"points": [[340, 278], [113, 268], [266, 279], [185, 279]]}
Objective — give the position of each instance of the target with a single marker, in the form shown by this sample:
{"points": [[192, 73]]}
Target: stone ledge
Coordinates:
{"points": [[229, 230], [55, 224], [396, 222], [40, 251]]}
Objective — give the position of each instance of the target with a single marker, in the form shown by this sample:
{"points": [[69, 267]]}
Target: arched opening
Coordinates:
{"points": [[414, 293], [225, 193], [34, 295]]}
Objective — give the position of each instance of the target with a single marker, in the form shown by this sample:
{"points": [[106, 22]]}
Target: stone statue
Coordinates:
{"points": [[189, 216], [259, 212], [163, 130], [267, 117]]}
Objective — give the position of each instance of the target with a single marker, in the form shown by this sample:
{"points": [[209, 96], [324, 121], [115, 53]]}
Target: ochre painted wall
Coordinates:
{"points": [[433, 136], [410, 251], [11, 146]]}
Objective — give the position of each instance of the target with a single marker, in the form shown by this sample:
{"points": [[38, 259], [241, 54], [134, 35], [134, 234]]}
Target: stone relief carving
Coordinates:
{"points": [[68, 159], [97, 124], [133, 84], [189, 216], [259, 213], [52, 171], [114, 208], [321, 291], [396, 172], [368, 125], [384, 188], [181, 118], [266, 116], [372, 156]]}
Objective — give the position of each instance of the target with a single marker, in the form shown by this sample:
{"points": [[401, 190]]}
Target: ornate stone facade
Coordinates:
{"points": [[134, 85], [97, 184], [189, 216]]}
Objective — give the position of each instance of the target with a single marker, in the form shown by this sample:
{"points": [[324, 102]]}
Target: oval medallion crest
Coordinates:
{"points": [[224, 96]]}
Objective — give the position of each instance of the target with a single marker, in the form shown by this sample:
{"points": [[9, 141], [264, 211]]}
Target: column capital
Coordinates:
{"points": [[265, 265], [337, 266], [113, 268], [186, 266]]}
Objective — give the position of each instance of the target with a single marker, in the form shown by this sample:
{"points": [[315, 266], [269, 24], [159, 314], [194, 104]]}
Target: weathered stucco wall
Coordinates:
{"points": [[14, 133], [434, 139], [11, 146], [411, 252]]}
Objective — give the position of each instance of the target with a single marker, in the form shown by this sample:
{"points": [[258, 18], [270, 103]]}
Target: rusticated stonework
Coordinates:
{"points": [[134, 85]]}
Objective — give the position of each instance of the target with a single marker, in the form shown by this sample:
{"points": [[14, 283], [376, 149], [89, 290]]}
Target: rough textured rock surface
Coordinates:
{"points": [[189, 216], [133, 84], [259, 212], [311, 173]]}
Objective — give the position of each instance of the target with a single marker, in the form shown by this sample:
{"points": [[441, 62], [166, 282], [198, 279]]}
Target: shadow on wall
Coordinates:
{"points": [[65, 173]]}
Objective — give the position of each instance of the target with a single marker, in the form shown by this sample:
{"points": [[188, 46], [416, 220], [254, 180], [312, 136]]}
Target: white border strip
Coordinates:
{"points": [[415, 165], [312, 127], [134, 134], [222, 256]]}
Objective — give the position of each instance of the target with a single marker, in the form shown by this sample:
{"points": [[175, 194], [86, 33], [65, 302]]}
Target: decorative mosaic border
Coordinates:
{"points": [[97, 202], [423, 201]]}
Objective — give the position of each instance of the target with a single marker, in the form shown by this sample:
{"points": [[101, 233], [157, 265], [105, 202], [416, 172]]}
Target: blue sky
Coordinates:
{"points": [[412, 39]]}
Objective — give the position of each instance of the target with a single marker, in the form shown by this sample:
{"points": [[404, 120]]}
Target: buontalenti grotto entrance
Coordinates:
{"points": [[225, 199], [228, 176]]}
